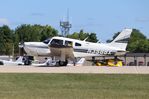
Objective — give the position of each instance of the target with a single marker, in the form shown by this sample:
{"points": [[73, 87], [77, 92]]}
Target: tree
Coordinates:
{"points": [[115, 35], [91, 37], [31, 33], [35, 32], [83, 35], [47, 32], [27, 33], [75, 35], [143, 46], [138, 42], [6, 40]]}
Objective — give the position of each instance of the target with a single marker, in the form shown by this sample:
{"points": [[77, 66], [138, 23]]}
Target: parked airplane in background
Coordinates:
{"points": [[70, 49], [19, 61], [50, 62]]}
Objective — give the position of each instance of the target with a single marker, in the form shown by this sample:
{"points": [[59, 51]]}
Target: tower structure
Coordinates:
{"points": [[65, 26]]}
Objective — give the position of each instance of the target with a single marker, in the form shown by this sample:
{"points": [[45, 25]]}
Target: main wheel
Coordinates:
{"points": [[63, 63]]}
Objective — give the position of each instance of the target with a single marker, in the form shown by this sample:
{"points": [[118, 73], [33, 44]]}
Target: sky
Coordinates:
{"points": [[103, 17]]}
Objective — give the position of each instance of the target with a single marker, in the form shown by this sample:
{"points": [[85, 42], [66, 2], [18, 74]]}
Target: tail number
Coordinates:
{"points": [[99, 52]]}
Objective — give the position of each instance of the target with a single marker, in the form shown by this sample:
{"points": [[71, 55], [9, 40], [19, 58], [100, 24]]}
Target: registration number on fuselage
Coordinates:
{"points": [[99, 52]]}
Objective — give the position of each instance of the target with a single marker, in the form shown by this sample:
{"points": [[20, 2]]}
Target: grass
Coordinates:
{"points": [[73, 86]]}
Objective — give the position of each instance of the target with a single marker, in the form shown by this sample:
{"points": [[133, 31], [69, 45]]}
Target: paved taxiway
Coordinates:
{"points": [[76, 69]]}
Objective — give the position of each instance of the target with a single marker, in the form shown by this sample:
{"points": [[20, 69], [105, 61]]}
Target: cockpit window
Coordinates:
{"points": [[56, 42], [68, 43], [77, 44], [47, 41]]}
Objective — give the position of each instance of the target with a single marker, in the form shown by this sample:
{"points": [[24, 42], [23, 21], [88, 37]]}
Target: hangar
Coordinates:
{"points": [[131, 59]]}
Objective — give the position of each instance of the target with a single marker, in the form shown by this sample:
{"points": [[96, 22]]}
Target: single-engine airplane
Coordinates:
{"points": [[70, 49]]}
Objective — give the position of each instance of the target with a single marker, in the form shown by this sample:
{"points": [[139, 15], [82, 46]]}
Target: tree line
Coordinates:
{"points": [[10, 38], [138, 42]]}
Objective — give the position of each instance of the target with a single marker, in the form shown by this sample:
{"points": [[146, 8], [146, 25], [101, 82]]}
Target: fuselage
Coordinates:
{"points": [[80, 48], [36, 49]]}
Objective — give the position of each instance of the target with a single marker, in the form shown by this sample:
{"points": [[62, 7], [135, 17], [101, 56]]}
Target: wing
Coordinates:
{"points": [[65, 52]]}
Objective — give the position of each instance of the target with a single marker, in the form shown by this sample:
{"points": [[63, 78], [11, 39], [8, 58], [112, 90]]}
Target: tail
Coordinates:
{"points": [[122, 39]]}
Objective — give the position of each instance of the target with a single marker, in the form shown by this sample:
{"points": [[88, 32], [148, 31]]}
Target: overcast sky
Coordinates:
{"points": [[103, 17]]}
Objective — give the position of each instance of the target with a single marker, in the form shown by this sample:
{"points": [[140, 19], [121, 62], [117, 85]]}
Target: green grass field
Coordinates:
{"points": [[73, 86]]}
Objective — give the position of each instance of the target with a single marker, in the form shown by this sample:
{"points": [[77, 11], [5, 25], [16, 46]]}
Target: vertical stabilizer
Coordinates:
{"points": [[122, 39]]}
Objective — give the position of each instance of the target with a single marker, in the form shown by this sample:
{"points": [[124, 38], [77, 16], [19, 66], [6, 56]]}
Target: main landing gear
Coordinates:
{"points": [[62, 63]]}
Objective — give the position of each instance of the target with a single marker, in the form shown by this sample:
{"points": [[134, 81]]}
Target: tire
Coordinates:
{"points": [[1, 63], [63, 63]]}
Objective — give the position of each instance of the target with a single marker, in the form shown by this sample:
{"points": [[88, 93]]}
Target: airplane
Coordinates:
{"points": [[50, 62], [80, 62], [70, 49], [19, 61]]}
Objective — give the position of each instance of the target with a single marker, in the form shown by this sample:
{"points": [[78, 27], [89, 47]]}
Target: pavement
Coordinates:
{"points": [[77, 69]]}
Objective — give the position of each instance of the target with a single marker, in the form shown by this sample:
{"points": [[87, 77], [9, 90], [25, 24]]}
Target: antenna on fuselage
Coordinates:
{"points": [[85, 39]]}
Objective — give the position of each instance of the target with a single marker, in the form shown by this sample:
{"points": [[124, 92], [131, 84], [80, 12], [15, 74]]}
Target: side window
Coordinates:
{"points": [[77, 44], [56, 42], [68, 43]]}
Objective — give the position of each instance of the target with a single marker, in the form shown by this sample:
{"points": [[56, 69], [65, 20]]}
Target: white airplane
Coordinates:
{"points": [[70, 49], [19, 61], [50, 62], [80, 62]]}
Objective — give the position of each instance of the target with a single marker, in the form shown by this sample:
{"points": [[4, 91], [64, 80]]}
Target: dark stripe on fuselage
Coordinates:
{"points": [[75, 49], [37, 46], [80, 50]]}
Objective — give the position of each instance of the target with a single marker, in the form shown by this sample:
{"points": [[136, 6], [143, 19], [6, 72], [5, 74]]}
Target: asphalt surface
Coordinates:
{"points": [[76, 69]]}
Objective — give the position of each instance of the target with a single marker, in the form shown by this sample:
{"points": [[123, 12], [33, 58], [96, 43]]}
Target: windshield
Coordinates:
{"points": [[47, 41], [56, 42]]}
